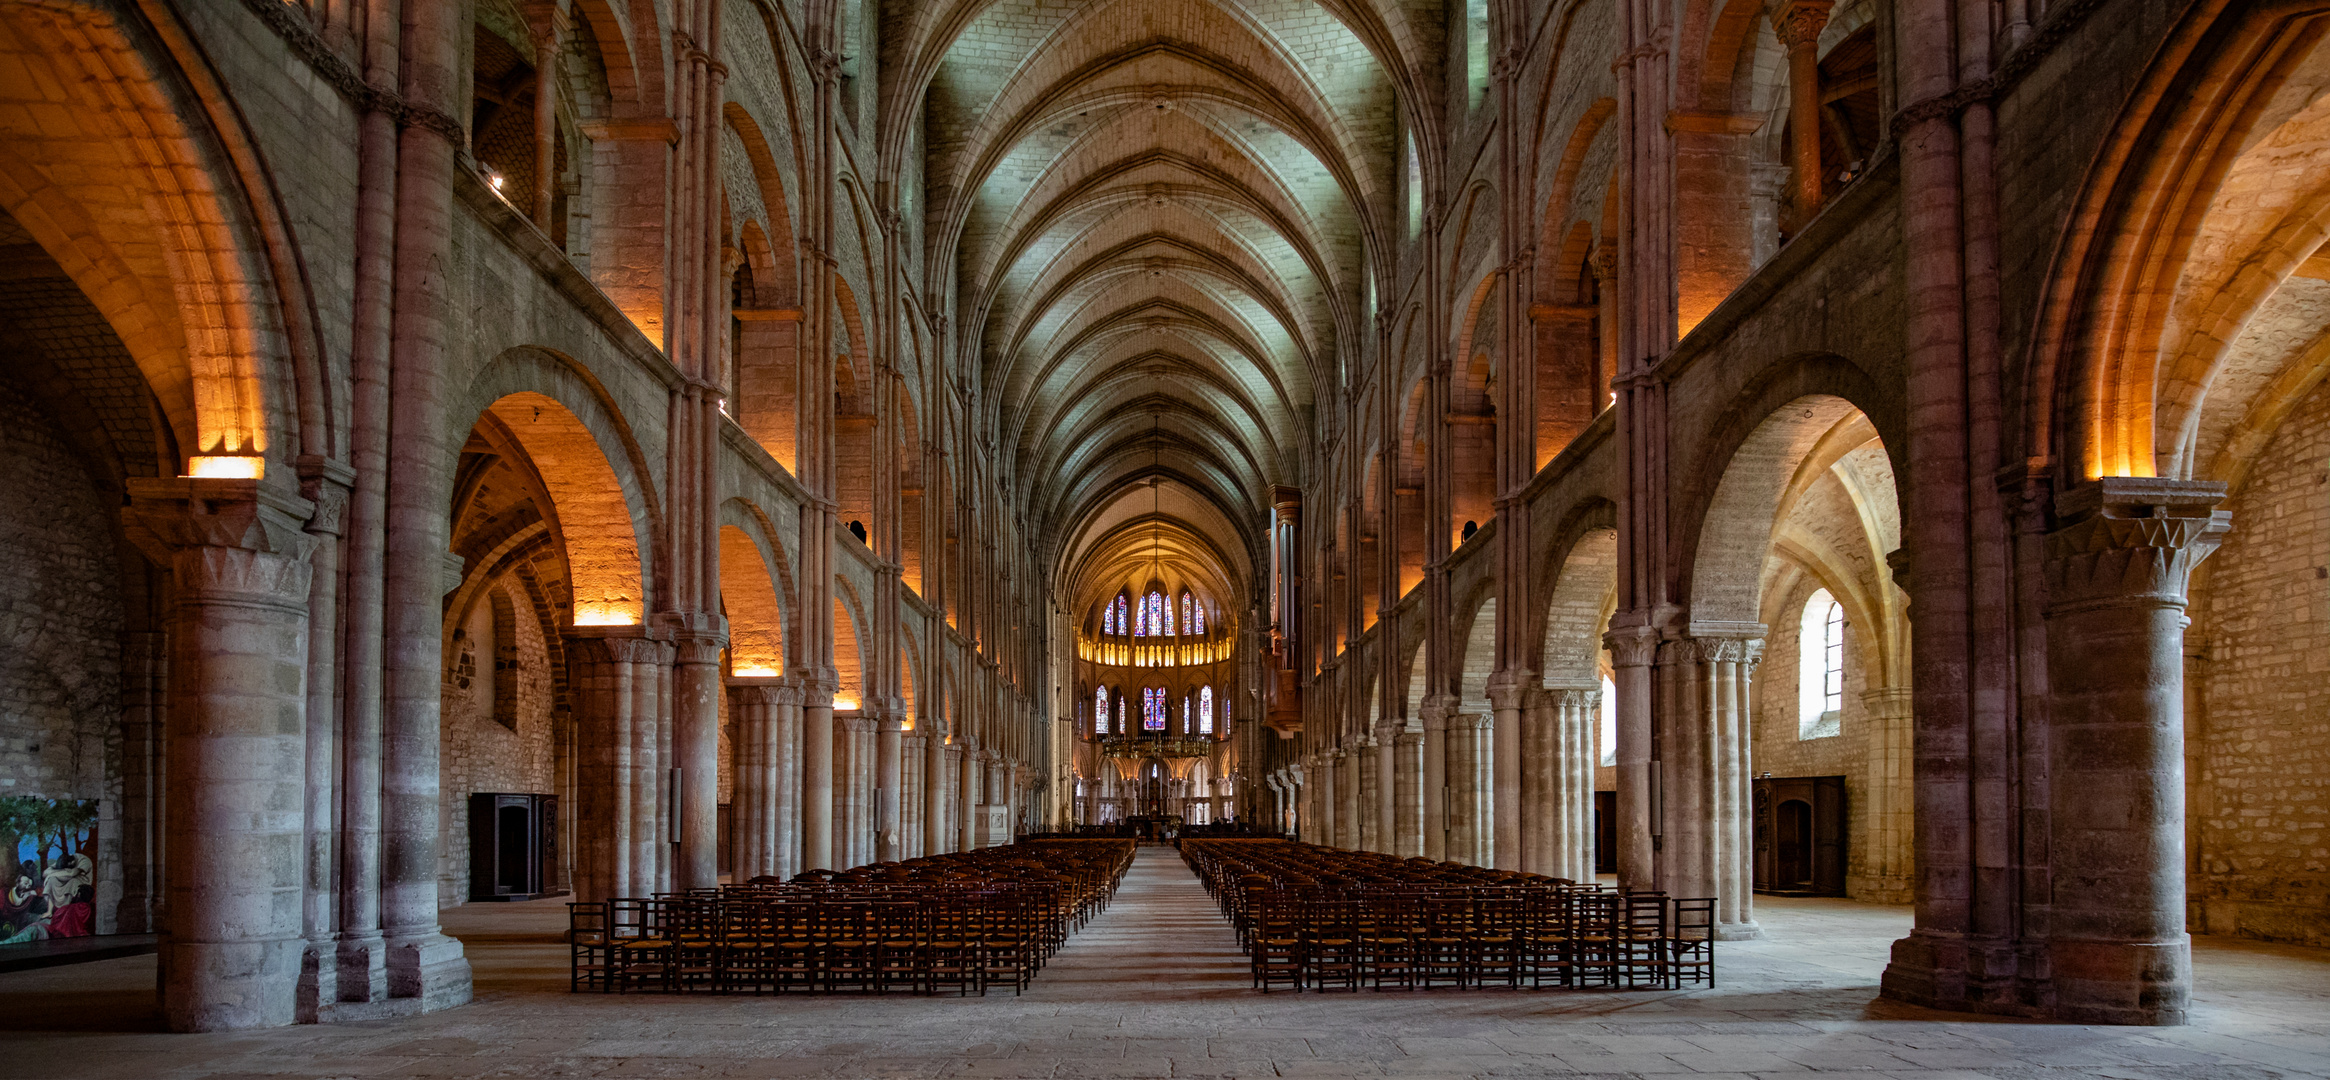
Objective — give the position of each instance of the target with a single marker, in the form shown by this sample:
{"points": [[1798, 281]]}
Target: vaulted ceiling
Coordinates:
{"points": [[1156, 217]]}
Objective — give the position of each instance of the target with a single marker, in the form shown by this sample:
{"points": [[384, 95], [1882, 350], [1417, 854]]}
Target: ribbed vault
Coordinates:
{"points": [[1158, 218]]}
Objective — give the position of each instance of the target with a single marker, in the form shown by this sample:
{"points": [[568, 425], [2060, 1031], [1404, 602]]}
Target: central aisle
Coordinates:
{"points": [[1161, 925]]}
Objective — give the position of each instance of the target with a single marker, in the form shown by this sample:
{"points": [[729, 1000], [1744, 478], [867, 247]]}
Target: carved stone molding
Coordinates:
{"points": [[2131, 541], [225, 539]]}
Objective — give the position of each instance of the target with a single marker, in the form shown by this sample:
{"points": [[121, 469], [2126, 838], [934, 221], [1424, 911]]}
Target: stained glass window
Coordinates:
{"points": [[1153, 708], [1188, 622], [1186, 725], [1196, 620], [1164, 614], [1100, 711], [1205, 710], [1141, 618], [1120, 712]]}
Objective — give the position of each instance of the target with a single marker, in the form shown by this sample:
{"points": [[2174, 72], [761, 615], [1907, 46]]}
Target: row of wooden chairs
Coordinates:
{"points": [[980, 921], [1305, 926]]}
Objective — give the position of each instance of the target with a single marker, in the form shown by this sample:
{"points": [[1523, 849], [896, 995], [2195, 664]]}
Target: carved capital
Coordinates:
{"points": [[1799, 22], [756, 694], [1632, 646], [2131, 542], [226, 539]]}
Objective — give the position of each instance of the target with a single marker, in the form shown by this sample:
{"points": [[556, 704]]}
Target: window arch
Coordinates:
{"points": [[1205, 709], [1100, 711], [1120, 713], [1188, 612], [1153, 708], [1820, 667]]}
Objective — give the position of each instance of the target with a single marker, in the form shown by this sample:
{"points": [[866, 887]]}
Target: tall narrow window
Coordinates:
{"points": [[1476, 51], [1100, 711], [1153, 708], [1120, 713], [1205, 710], [1196, 617], [1609, 722], [1141, 618], [1415, 189], [1820, 668], [1188, 717], [1188, 614]]}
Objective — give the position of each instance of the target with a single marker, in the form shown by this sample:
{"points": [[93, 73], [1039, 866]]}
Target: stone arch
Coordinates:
{"points": [[590, 465], [755, 609], [1725, 507], [139, 206], [2114, 376], [1577, 610]]}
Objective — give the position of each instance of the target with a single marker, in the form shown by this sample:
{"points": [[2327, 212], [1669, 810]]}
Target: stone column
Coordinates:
{"points": [[966, 797], [1366, 776], [1330, 807], [1385, 762], [1408, 824], [1541, 789], [611, 677], [1632, 652], [1434, 788], [325, 484], [230, 925], [934, 796], [2117, 568], [1799, 24], [889, 781], [1354, 806], [696, 752], [1471, 831], [817, 778], [914, 779], [1889, 811], [757, 748], [785, 756], [1579, 712], [651, 757], [1504, 775], [854, 765], [1705, 773]]}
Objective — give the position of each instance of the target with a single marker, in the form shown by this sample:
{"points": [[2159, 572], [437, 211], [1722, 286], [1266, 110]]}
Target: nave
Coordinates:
{"points": [[1156, 987]]}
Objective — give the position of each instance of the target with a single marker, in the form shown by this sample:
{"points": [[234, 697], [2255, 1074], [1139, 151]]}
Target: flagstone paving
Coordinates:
{"points": [[1156, 987]]}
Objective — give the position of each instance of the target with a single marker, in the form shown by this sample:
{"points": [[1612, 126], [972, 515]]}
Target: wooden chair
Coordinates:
{"points": [[590, 947]]}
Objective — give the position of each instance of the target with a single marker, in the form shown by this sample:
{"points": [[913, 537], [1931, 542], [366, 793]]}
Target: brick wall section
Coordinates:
{"points": [[2259, 685]]}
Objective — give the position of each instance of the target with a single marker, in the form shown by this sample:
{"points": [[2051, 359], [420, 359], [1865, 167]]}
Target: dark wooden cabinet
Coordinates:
{"points": [[1800, 846], [1605, 832], [513, 846]]}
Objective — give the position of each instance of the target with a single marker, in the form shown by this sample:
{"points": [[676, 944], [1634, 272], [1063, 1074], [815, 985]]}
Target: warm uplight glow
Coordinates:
{"points": [[844, 704], [756, 672], [604, 614], [232, 467]]}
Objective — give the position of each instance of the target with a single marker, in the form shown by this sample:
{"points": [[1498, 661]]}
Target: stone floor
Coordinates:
{"points": [[1156, 988]]}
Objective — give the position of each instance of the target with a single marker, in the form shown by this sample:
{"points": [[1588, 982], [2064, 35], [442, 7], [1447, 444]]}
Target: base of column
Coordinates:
{"points": [[1954, 973], [429, 968], [1750, 930], [319, 979], [229, 985], [362, 969], [2118, 982]]}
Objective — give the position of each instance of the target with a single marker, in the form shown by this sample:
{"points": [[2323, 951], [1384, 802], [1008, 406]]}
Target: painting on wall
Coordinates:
{"points": [[52, 887]]}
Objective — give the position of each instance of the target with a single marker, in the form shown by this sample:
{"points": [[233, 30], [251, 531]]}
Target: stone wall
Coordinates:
{"points": [[487, 748], [60, 633], [2258, 747]]}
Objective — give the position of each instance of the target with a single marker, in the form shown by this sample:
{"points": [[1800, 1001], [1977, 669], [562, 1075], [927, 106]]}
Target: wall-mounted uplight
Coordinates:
{"points": [[227, 466], [756, 672], [494, 178], [603, 614], [843, 704]]}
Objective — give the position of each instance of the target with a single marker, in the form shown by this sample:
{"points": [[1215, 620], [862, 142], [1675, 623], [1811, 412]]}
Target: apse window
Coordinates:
{"points": [[1820, 668], [1205, 710], [1100, 711]]}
